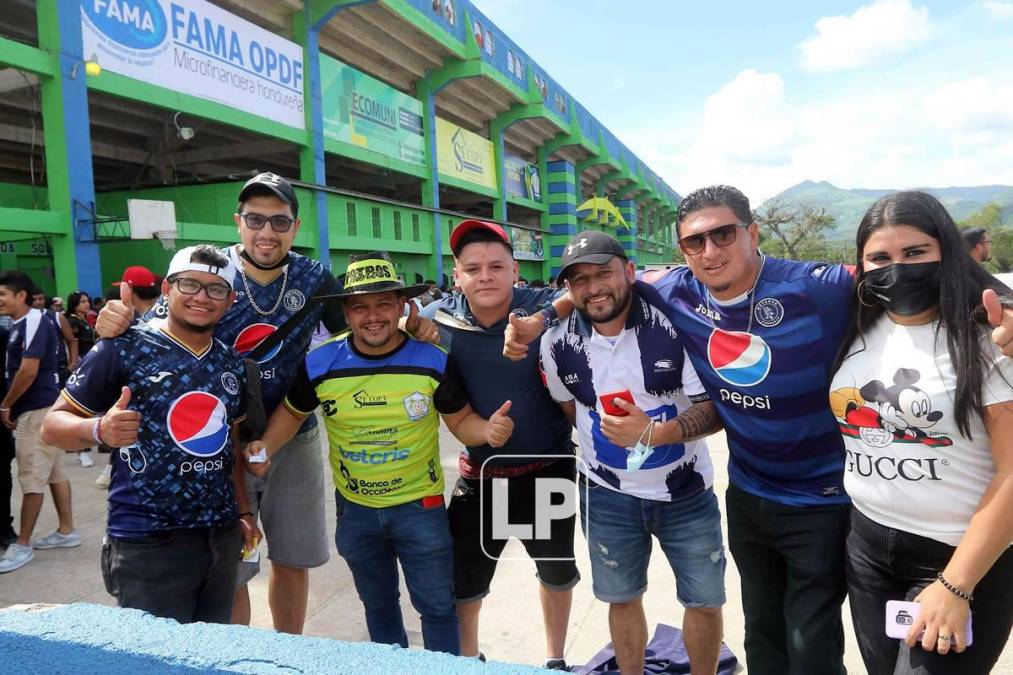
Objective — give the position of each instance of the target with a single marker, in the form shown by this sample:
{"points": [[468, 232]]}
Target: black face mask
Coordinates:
{"points": [[905, 290]]}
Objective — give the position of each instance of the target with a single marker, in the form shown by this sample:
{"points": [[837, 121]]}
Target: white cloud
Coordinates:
{"points": [[872, 32], [999, 9], [752, 135]]}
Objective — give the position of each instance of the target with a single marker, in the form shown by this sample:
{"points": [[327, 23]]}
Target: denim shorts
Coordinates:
{"points": [[619, 528]]}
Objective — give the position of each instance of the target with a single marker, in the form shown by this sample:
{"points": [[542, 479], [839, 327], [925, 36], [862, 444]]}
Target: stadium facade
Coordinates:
{"points": [[127, 124]]}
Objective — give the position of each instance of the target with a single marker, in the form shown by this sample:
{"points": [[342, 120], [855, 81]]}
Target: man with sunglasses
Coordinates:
{"points": [[762, 334], [273, 283], [169, 397]]}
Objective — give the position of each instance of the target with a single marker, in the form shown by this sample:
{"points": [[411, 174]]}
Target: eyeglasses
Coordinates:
{"points": [[721, 236], [256, 221], [188, 286]]}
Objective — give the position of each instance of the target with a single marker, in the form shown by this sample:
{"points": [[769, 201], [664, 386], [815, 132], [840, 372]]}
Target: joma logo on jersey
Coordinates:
{"points": [[708, 312]]}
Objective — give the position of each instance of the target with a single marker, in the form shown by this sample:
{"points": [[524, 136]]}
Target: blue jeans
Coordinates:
{"points": [[619, 528], [372, 541]]}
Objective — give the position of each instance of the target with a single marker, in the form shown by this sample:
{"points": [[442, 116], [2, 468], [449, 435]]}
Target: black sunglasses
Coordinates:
{"points": [[722, 236], [256, 221]]}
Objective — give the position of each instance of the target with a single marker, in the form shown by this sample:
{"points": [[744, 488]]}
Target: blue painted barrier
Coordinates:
{"points": [[84, 638]]}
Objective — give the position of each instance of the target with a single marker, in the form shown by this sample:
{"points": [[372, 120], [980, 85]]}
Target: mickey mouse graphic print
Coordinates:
{"points": [[908, 467]]}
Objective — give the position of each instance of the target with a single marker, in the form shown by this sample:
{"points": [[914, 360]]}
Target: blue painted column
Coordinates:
{"points": [[431, 186], [316, 121], [315, 117], [500, 203], [74, 192]]}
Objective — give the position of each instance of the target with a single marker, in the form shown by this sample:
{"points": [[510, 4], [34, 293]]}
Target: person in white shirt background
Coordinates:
{"points": [[925, 403]]}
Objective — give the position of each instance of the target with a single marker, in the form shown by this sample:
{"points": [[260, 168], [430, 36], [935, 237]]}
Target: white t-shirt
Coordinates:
{"points": [[908, 467], [647, 360]]}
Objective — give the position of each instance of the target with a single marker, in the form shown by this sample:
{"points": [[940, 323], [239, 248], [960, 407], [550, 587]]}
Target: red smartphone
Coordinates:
{"points": [[611, 408]]}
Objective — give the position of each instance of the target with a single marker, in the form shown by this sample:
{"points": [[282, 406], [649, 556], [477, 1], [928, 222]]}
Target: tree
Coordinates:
{"points": [[1002, 249], [794, 230], [989, 217]]}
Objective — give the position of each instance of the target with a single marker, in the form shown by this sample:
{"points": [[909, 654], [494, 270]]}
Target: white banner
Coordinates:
{"points": [[196, 48]]}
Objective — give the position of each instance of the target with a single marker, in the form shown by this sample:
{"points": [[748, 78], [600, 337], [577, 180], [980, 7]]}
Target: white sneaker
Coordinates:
{"points": [[105, 477], [15, 557], [56, 539], [85, 459]]}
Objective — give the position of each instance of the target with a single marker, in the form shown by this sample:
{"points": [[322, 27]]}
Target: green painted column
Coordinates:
{"points": [[561, 185]]}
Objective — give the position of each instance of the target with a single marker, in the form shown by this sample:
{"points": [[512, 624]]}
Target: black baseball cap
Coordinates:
{"points": [[273, 183], [590, 246]]}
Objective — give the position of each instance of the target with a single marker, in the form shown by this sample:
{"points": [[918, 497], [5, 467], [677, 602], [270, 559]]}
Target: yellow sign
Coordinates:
{"points": [[464, 155], [602, 211]]}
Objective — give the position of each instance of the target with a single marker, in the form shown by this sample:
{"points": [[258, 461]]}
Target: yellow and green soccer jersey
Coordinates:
{"points": [[382, 416]]}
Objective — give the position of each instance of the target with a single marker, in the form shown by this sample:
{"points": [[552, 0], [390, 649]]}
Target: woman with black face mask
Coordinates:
{"points": [[925, 403]]}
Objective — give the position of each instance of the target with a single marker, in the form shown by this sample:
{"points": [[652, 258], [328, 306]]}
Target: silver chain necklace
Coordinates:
{"points": [[752, 299], [249, 293]]}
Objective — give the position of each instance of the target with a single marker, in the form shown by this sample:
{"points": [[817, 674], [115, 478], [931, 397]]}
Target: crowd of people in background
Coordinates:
{"points": [[868, 410]]}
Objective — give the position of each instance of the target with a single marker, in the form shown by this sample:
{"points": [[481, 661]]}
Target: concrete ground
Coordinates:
{"points": [[511, 627]]}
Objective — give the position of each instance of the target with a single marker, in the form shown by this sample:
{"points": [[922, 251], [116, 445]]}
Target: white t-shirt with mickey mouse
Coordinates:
{"points": [[908, 466]]}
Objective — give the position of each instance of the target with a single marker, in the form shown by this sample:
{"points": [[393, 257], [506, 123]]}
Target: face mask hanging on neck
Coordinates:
{"points": [[905, 290]]}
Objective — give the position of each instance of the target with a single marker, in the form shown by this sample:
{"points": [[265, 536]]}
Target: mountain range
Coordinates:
{"points": [[848, 206]]}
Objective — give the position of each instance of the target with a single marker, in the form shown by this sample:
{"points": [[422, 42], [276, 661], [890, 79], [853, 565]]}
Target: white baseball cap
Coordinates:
{"points": [[181, 262]]}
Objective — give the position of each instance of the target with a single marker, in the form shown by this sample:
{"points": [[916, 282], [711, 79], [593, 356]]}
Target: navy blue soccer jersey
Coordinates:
{"points": [[35, 336], [260, 309], [179, 473], [767, 362], [490, 379]]}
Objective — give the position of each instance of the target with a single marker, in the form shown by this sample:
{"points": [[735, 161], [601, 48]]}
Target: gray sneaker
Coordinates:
{"points": [[15, 557], [56, 540]]}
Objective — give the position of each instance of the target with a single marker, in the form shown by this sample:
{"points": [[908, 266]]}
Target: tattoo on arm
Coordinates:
{"points": [[700, 419]]}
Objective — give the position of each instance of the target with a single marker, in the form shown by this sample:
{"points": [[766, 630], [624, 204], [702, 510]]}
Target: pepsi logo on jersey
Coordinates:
{"points": [[743, 360], [198, 424], [740, 359], [253, 335]]}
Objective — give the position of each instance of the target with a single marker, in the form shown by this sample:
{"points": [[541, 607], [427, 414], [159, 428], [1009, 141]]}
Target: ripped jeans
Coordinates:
{"points": [[619, 537]]}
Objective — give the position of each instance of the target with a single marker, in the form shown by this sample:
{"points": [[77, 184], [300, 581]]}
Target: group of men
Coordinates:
{"points": [[642, 370]]}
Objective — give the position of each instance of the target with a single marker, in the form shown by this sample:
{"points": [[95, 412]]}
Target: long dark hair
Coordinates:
{"points": [[962, 280], [72, 301]]}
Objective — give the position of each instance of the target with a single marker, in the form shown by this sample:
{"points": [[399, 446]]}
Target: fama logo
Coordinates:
{"points": [[137, 24]]}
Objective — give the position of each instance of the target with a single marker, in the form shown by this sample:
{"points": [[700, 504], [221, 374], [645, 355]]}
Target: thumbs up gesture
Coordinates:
{"points": [[421, 329], [1001, 320], [118, 427], [520, 331], [117, 315], [500, 427]]}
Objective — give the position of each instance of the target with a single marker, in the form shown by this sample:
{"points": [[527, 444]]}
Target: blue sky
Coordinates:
{"points": [[762, 95]]}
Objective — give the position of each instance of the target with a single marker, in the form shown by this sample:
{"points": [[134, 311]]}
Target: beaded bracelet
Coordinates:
{"points": [[953, 589], [96, 431]]}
